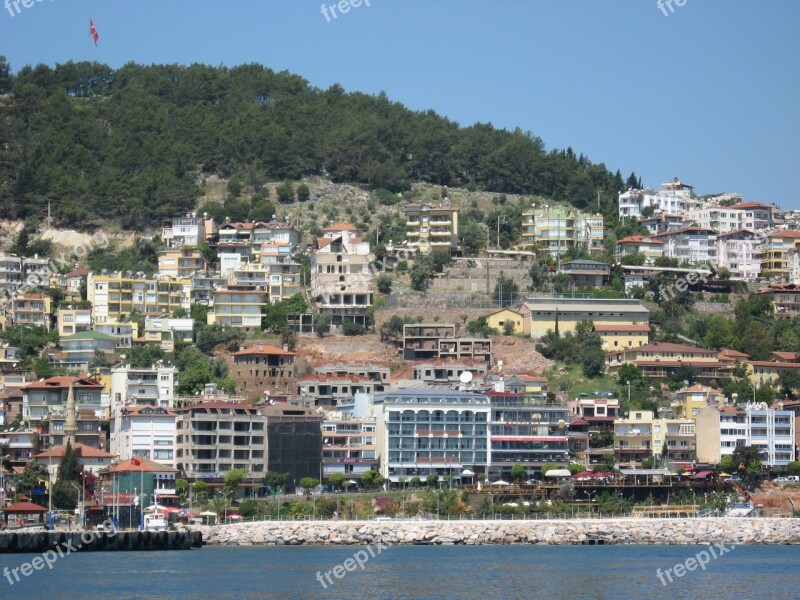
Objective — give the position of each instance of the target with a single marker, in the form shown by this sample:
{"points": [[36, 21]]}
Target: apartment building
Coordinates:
{"points": [[590, 273], [236, 238], [332, 384], [167, 333], [756, 216], [349, 439], [90, 432], [137, 386], [31, 309], [425, 341], [238, 307], [524, 430], [737, 252], [722, 429], [21, 446], [618, 336], [425, 431], [82, 348], [116, 295], [633, 438], [674, 440], [74, 281], [123, 332], [650, 247], [266, 234], [42, 398], [662, 222], [775, 252], [785, 299], [180, 263], [431, 227], [449, 371], [674, 198], [689, 400], [215, 437], [144, 431], [203, 286], [277, 274], [542, 314], [693, 245], [722, 219], [11, 276], [556, 229], [598, 412], [72, 320], [658, 360], [189, 230]]}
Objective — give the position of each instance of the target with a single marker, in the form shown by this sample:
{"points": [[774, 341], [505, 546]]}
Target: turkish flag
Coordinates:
{"points": [[135, 461], [93, 32]]}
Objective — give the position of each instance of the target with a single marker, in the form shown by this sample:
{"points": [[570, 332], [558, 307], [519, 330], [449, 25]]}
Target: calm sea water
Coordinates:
{"points": [[463, 572]]}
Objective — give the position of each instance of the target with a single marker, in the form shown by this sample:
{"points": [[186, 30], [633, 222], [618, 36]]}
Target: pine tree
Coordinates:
{"points": [[70, 468]]}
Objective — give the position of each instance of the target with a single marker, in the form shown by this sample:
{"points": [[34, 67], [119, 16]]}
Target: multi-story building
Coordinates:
{"points": [[785, 299], [618, 336], [599, 412], [448, 371], [556, 229], [203, 286], [736, 251], [236, 238], [548, 314], [774, 254], [425, 341], [40, 399], [662, 222], [190, 230], [526, 431], [277, 274], [431, 227], [145, 432], [92, 459], [82, 348], [349, 443], [693, 245], [180, 263], [674, 440], [168, 332], [674, 198], [132, 386], [294, 441], [265, 234], [261, 367], [238, 307], [330, 385], [651, 248], [341, 279], [756, 216], [722, 219], [72, 320], [74, 282], [426, 431], [90, 433], [10, 273], [722, 429], [633, 438], [658, 360], [21, 445], [589, 273], [116, 295], [123, 332], [688, 401], [215, 437], [31, 309]]}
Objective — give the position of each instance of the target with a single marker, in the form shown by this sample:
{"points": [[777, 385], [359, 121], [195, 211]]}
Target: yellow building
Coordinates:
{"points": [[541, 315], [660, 359], [785, 299], [523, 383], [688, 401], [113, 296], [775, 253], [499, 319], [616, 336], [760, 372], [238, 307], [31, 309], [432, 227], [556, 229], [633, 438], [72, 320], [180, 262]]}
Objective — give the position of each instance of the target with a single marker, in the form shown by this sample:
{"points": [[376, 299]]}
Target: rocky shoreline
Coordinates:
{"points": [[546, 532]]}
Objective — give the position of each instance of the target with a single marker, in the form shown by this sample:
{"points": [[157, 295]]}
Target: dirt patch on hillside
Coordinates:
{"points": [[519, 355], [777, 498]]}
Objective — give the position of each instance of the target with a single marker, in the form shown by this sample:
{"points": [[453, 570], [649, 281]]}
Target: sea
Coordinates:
{"points": [[459, 572]]}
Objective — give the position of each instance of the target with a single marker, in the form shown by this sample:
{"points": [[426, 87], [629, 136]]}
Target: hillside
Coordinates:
{"points": [[141, 143]]}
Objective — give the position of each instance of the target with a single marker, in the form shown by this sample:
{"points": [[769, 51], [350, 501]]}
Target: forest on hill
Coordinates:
{"points": [[134, 144]]}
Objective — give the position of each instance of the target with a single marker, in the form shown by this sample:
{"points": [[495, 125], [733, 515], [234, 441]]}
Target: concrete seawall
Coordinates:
{"points": [[87, 541], [556, 532]]}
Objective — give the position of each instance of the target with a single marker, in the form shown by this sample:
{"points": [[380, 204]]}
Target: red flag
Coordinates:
{"points": [[135, 461], [93, 32]]}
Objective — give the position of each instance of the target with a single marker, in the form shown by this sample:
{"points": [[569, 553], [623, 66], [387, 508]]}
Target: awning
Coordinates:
{"points": [[558, 473], [526, 438], [701, 474]]}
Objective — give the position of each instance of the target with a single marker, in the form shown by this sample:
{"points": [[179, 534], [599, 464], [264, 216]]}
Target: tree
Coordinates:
{"points": [[548, 467], [234, 478], [200, 489], [308, 484], [629, 372], [248, 508], [719, 333], [747, 462], [285, 193], [601, 439], [415, 482], [303, 193], [33, 474], [322, 323], [351, 328], [371, 479], [793, 468], [789, 382], [275, 481], [518, 473], [384, 283], [337, 480], [506, 291], [432, 479], [181, 487]]}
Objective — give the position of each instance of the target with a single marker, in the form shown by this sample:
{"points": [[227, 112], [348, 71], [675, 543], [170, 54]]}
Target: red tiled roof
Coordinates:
{"points": [[323, 242], [62, 382], [768, 363], [22, 508], [786, 233], [144, 465], [668, 347], [786, 356], [81, 272], [683, 230], [341, 227], [732, 353], [262, 350], [639, 239], [746, 205], [85, 452]]}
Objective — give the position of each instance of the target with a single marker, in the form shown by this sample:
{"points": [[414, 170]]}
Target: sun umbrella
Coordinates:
{"points": [[499, 482]]}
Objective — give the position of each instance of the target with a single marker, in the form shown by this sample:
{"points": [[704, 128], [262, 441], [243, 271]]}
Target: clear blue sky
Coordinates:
{"points": [[709, 93]]}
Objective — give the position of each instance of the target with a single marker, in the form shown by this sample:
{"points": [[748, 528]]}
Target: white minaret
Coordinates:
{"points": [[71, 425]]}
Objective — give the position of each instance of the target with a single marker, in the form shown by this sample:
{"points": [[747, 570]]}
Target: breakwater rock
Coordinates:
{"points": [[557, 532], [27, 541]]}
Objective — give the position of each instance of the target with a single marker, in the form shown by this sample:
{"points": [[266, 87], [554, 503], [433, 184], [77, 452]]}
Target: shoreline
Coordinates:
{"points": [[616, 531]]}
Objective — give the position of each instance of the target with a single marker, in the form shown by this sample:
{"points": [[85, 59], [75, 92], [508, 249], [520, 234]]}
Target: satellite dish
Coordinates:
{"points": [[465, 377]]}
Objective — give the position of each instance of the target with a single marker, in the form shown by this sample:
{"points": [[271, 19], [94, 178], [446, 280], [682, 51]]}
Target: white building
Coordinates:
{"points": [[144, 431], [674, 198], [721, 219], [153, 386], [756, 216], [694, 245], [773, 432], [190, 230], [736, 251]]}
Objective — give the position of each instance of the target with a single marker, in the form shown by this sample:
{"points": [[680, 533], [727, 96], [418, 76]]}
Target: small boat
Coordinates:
{"points": [[155, 522]]}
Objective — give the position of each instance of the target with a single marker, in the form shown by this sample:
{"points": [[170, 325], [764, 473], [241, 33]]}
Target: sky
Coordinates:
{"points": [[708, 91]]}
